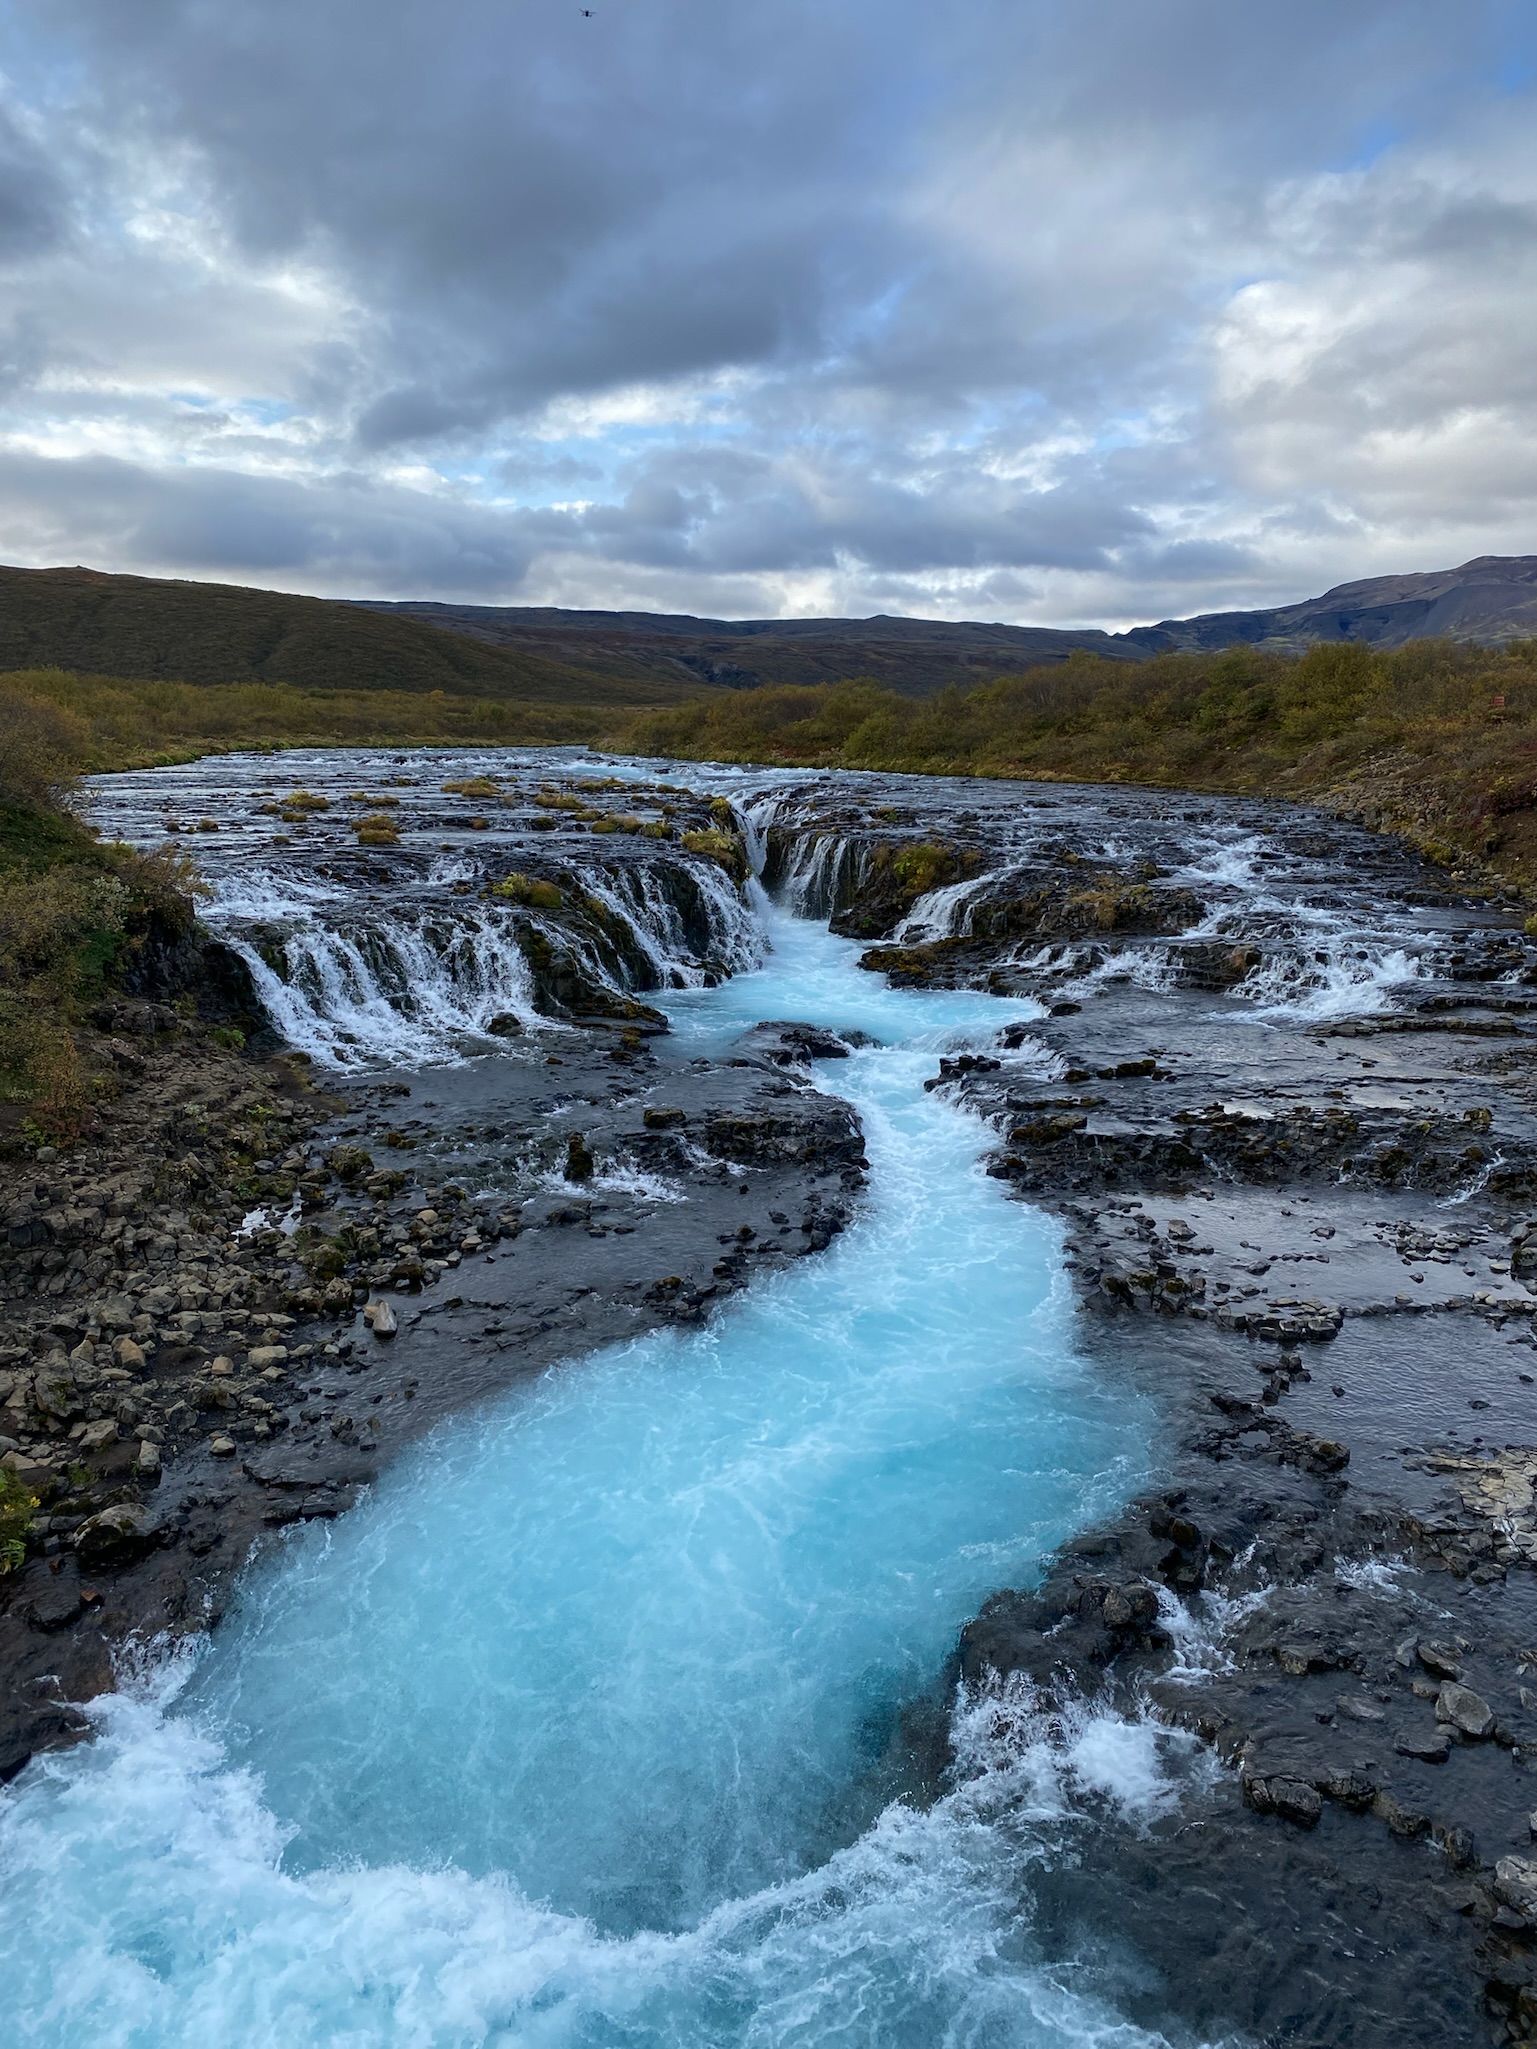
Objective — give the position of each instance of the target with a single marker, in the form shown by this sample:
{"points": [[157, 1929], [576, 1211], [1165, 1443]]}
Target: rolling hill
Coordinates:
{"points": [[204, 633], [1491, 599], [207, 633]]}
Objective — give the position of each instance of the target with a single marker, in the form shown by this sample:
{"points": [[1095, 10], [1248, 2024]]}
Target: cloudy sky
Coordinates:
{"points": [[1069, 313]]}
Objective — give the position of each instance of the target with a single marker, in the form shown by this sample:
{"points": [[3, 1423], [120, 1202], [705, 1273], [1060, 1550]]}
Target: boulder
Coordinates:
{"points": [[1296, 1801], [1515, 1880], [1466, 1711], [116, 1312], [116, 1536]]}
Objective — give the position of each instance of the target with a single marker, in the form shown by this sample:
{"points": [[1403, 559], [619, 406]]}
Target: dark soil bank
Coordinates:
{"points": [[1282, 1099]]}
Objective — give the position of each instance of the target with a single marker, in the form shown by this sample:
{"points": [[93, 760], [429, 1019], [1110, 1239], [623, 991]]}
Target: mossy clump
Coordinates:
{"points": [[927, 865], [472, 786], [517, 888], [378, 829], [724, 848]]}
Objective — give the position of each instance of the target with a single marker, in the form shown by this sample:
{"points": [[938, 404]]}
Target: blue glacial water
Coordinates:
{"points": [[566, 1738]]}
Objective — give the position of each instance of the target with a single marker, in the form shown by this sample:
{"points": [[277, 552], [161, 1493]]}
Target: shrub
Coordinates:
{"points": [[18, 1505]]}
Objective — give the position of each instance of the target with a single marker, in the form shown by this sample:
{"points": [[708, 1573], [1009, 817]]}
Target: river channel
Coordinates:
{"points": [[577, 1729]]}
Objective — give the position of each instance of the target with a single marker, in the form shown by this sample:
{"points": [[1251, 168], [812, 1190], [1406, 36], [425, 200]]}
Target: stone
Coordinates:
{"points": [[579, 1161], [1467, 1712], [1351, 1789], [1458, 1845], [115, 1313], [96, 1436], [260, 1357], [1403, 1821], [1432, 1746], [1439, 1658], [129, 1355], [1358, 1708], [222, 1446], [1515, 1881], [381, 1319], [662, 1119], [58, 1602], [32, 1472], [1134, 1606], [84, 1354], [1296, 1801], [1297, 1659], [147, 1465], [308, 1466], [114, 1537]]}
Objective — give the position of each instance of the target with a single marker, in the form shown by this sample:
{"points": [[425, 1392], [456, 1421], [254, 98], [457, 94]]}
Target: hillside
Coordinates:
{"points": [[1491, 599], [208, 633], [201, 633], [913, 656]]}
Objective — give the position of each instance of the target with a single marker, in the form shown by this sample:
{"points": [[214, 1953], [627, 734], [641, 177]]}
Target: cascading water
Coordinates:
{"points": [[571, 1733]]}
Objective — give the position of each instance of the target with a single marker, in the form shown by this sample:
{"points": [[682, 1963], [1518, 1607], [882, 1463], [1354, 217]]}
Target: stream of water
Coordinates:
{"points": [[570, 1735]]}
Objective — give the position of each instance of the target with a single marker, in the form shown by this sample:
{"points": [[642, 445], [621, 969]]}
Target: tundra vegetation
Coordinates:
{"points": [[1433, 739]]}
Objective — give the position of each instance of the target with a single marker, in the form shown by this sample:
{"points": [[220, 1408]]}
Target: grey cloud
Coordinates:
{"points": [[33, 199], [337, 534], [967, 283]]}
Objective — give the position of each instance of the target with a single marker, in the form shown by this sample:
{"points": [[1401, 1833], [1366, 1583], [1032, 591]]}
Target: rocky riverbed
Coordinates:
{"points": [[1279, 1093]]}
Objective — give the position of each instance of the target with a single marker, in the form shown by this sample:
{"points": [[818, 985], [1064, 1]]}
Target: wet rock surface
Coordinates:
{"points": [[1281, 1101], [1281, 1098]]}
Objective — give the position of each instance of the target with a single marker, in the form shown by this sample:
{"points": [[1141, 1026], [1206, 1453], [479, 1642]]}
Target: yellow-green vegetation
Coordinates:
{"points": [[127, 723], [378, 829], [1434, 739], [72, 911], [526, 889], [722, 847], [929, 865], [472, 786], [618, 821], [18, 1505], [559, 800]]}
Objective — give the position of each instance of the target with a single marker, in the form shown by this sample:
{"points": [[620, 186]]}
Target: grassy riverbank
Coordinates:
{"points": [[74, 913], [126, 722], [1434, 739]]}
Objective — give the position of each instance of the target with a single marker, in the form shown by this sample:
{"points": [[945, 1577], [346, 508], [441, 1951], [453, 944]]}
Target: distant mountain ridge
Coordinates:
{"points": [[1491, 599], [182, 631]]}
